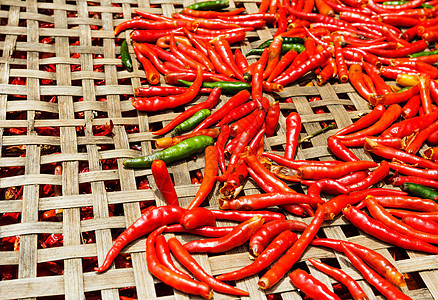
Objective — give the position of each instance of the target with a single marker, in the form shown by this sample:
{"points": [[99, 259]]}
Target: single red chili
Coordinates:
{"points": [[421, 224], [412, 171], [293, 128], [152, 75], [151, 220], [414, 144], [345, 180], [401, 52], [257, 141], [374, 259], [393, 142], [271, 121], [197, 217], [164, 41], [409, 126], [399, 180], [220, 144], [411, 108], [278, 246], [285, 263], [241, 61], [192, 265], [274, 52], [152, 35], [210, 14], [339, 170], [241, 216], [383, 286], [353, 287], [238, 112], [284, 62], [385, 233], [237, 237], [164, 182], [356, 78], [211, 101], [266, 233], [257, 78], [164, 256], [160, 103], [310, 286], [207, 231], [143, 24], [338, 148], [405, 202], [223, 48], [169, 277], [327, 185], [374, 177], [243, 124], [232, 37], [426, 100], [399, 213]]}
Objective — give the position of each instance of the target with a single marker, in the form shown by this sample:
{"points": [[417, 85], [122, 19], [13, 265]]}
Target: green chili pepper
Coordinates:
{"points": [[298, 48], [180, 151], [210, 5], [404, 2], [191, 122], [126, 58], [424, 53], [227, 87], [419, 190], [286, 40], [404, 89]]}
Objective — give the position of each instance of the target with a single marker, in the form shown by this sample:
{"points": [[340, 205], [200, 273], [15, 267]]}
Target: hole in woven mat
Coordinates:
{"points": [[123, 261], [12, 193], [276, 296], [129, 292], [321, 234], [278, 148], [53, 297], [343, 96], [95, 295], [8, 272], [196, 177], [398, 253], [414, 281], [331, 262], [350, 230], [50, 268], [163, 290], [341, 291]]}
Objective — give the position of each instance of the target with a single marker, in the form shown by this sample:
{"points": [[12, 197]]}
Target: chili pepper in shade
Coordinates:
{"points": [[313, 62], [182, 150], [431, 153], [285, 263], [293, 128], [168, 276], [258, 201], [150, 220], [385, 233], [152, 75], [192, 265], [414, 144], [207, 231], [353, 287], [207, 104], [310, 286], [237, 237], [319, 172], [191, 122], [383, 286], [285, 61], [327, 72], [369, 83], [235, 101], [278, 246], [166, 142], [340, 150], [220, 144], [164, 256], [272, 116], [210, 172], [164, 182], [380, 214], [433, 138], [126, 58], [421, 224], [419, 190], [197, 217]]}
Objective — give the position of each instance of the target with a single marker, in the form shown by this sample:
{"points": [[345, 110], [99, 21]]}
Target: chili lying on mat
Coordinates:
{"points": [[312, 287], [164, 182]]}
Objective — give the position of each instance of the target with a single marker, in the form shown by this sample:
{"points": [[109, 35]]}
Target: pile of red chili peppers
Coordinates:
{"points": [[364, 45]]}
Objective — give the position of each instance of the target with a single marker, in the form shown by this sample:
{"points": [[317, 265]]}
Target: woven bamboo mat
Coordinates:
{"points": [[90, 88]]}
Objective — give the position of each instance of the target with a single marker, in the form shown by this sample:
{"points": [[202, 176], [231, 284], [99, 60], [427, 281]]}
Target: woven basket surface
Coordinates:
{"points": [[87, 88]]}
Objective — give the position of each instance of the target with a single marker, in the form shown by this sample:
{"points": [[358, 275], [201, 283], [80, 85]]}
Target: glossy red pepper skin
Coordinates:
{"points": [[192, 265], [207, 231], [210, 14], [197, 217], [374, 177], [223, 48], [164, 256], [168, 276], [295, 164], [374, 259], [340, 150], [237, 237], [392, 142], [271, 121], [151, 220], [333, 172], [241, 216], [421, 224], [405, 202], [257, 78], [383, 286], [284, 62], [293, 128], [266, 233], [414, 145], [384, 233], [312, 287], [285, 263], [278, 246], [412, 171], [152, 75], [220, 144], [164, 182], [328, 185]]}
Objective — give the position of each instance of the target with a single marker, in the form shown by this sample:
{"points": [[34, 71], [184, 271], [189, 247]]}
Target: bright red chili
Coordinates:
{"points": [[163, 253], [164, 182], [293, 128]]}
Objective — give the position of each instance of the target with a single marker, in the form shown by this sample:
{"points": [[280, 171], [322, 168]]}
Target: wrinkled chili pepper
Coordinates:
{"points": [[312, 287], [339, 170], [237, 237], [164, 182], [197, 217]]}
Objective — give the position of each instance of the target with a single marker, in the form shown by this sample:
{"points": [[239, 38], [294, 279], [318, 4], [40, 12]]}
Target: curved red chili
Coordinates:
{"points": [[421, 224], [197, 217], [374, 177], [338, 148], [312, 287], [339, 170], [163, 253], [164, 182], [271, 121]]}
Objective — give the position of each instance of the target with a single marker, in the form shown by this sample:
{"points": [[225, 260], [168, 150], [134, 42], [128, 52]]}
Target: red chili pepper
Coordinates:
{"points": [[207, 231], [421, 224], [271, 121], [241, 61], [164, 182], [293, 128], [163, 253], [284, 62], [197, 43], [160, 103], [166, 56], [241, 216], [210, 172], [312, 287], [209, 14], [411, 108], [220, 143], [238, 112], [144, 49], [207, 104], [385, 233], [285, 263], [383, 286], [405, 202], [339, 170], [257, 78], [192, 265], [264, 235], [223, 48], [165, 91], [338, 148], [196, 55], [237, 237], [152, 74], [193, 64], [317, 18], [374, 177], [278, 246], [328, 185], [164, 41], [353, 287], [231, 37], [414, 144], [152, 35], [168, 276], [310, 64], [151, 220], [197, 217], [324, 9]]}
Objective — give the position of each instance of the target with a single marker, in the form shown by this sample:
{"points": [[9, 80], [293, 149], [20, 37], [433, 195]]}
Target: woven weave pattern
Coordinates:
{"points": [[60, 79]]}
